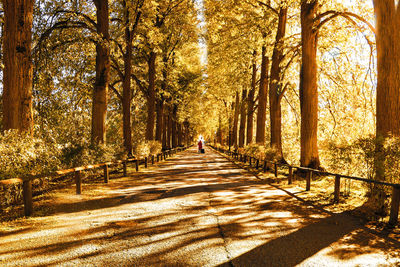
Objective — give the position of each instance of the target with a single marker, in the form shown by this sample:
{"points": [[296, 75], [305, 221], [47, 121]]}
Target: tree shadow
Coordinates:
{"points": [[195, 215]]}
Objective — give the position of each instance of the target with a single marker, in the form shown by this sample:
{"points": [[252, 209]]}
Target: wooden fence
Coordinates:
{"points": [[77, 172], [395, 202]]}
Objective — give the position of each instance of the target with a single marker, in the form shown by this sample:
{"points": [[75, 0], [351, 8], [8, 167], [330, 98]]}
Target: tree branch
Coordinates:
{"points": [[115, 90], [269, 7], [344, 14], [139, 84]]}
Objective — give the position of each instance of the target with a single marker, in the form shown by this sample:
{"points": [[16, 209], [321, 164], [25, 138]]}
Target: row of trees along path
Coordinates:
{"points": [[191, 210], [260, 27]]}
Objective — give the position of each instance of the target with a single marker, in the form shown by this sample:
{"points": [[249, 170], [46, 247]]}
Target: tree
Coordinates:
{"points": [[243, 118], [262, 98], [18, 68], [250, 100], [130, 29], [388, 87], [308, 85], [236, 112], [276, 88], [99, 106]]}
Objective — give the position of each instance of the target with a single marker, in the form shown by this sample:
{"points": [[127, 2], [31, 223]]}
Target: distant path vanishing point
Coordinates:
{"points": [[191, 210]]}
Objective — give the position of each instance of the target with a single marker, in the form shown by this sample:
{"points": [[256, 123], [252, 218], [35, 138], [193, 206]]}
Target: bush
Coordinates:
{"points": [[361, 158], [147, 148], [155, 147], [261, 152], [22, 154], [81, 152]]}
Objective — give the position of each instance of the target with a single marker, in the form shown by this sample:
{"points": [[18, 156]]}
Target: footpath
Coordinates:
{"points": [[191, 210]]}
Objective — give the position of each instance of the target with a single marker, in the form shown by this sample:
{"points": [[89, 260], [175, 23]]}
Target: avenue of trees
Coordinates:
{"points": [[84, 81], [309, 82]]}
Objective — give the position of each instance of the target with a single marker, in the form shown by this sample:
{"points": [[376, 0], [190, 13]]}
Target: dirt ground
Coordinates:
{"points": [[191, 210]]}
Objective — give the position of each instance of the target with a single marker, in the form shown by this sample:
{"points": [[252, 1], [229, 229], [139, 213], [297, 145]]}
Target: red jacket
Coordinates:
{"points": [[200, 144]]}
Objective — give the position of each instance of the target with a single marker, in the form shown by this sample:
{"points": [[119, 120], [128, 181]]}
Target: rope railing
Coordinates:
{"points": [[395, 202], [77, 172]]}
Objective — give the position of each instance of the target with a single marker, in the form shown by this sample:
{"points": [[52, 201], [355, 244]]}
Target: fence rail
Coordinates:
{"points": [[395, 202], [77, 172]]}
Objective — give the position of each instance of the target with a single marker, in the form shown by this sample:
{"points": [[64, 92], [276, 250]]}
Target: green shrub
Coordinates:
{"points": [[261, 152], [155, 147], [22, 154], [147, 148]]}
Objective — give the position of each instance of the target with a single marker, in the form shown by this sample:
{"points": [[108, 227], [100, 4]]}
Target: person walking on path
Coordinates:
{"points": [[200, 145]]}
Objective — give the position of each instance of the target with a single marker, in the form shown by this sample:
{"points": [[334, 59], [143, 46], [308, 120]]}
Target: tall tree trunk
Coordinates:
{"points": [[250, 101], [236, 121], [99, 106], [159, 121], [169, 132], [180, 134], [126, 87], [308, 86], [151, 98], [165, 128], [388, 87], [262, 99], [186, 124], [18, 68], [174, 126], [219, 131], [242, 126], [276, 90], [160, 100]]}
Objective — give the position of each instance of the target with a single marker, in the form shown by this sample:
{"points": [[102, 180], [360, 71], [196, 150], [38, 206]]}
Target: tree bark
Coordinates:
{"points": [[165, 128], [159, 121], [236, 121], [180, 134], [276, 90], [174, 134], [160, 100], [151, 97], [169, 132], [242, 126], [308, 86], [387, 16], [186, 125], [250, 101], [18, 68], [262, 99], [126, 87], [219, 131], [388, 52], [99, 106]]}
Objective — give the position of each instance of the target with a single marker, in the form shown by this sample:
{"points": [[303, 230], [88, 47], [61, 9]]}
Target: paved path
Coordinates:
{"points": [[193, 210]]}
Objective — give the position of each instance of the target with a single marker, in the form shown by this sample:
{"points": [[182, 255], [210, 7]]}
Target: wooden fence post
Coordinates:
{"points": [[78, 182], [145, 162], [27, 192], [290, 177], [257, 163], [250, 161], [137, 165], [394, 209], [308, 180], [276, 169], [337, 189], [124, 168], [106, 174], [265, 166], [152, 159]]}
